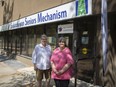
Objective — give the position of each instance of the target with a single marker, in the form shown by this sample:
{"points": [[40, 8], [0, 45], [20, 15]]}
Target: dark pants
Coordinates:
{"points": [[61, 83]]}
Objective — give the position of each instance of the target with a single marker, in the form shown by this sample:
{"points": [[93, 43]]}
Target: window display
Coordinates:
{"points": [[51, 33]]}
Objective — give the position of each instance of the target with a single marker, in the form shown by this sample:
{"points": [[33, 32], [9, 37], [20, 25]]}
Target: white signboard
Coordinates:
{"points": [[62, 12], [66, 28], [59, 13]]}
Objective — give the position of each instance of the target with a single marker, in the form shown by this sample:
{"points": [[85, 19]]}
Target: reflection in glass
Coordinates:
{"points": [[85, 40]]}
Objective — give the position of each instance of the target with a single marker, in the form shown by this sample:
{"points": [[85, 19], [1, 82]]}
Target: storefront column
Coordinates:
{"points": [[35, 37], [11, 40], [20, 41], [4, 40], [27, 40], [15, 42], [7, 42]]}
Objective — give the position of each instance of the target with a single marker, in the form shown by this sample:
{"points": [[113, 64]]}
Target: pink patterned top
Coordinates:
{"points": [[60, 58]]}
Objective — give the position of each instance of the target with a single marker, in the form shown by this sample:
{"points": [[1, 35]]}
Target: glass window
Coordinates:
{"points": [[85, 40], [13, 40], [31, 41], [18, 41], [30, 37], [51, 33], [1, 40], [39, 32], [23, 41]]}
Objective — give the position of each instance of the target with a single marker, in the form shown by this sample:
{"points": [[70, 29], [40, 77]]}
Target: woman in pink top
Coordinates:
{"points": [[62, 62]]}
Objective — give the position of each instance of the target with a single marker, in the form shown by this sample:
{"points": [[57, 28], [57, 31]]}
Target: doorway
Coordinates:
{"points": [[85, 48]]}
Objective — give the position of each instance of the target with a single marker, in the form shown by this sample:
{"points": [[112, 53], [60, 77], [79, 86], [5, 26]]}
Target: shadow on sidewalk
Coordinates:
{"points": [[4, 58]]}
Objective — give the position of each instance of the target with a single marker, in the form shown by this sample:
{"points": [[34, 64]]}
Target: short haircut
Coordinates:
{"points": [[62, 39], [43, 36]]}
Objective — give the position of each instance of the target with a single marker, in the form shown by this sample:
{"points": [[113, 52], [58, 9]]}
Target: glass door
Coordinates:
{"points": [[85, 50]]}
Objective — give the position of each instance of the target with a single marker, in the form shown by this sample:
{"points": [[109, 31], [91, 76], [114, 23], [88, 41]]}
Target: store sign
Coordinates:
{"points": [[52, 16], [84, 51], [83, 7], [24, 22], [63, 12], [66, 28], [59, 13]]}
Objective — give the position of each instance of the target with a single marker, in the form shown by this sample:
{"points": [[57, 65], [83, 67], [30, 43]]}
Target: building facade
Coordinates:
{"points": [[79, 21]]}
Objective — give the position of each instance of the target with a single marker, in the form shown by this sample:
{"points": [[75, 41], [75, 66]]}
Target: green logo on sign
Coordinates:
{"points": [[81, 7]]}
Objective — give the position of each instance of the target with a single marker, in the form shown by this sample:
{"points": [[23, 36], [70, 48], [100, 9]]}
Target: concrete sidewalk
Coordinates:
{"points": [[19, 72], [8, 67], [5, 70]]}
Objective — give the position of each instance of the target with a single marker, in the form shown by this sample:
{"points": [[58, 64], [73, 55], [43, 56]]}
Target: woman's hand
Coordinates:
{"points": [[60, 72], [64, 69], [54, 70]]}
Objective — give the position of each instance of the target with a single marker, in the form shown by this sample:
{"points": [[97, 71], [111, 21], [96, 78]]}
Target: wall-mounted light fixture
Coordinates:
{"points": [[1, 2]]}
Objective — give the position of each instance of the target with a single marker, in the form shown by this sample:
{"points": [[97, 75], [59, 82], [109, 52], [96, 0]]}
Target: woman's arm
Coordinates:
{"points": [[53, 67], [69, 61], [65, 68]]}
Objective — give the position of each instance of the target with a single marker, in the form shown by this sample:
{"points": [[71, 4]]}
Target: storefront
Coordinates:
{"points": [[71, 20], [81, 28], [80, 23], [22, 35]]}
